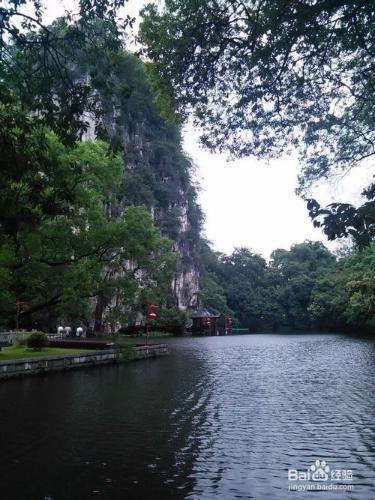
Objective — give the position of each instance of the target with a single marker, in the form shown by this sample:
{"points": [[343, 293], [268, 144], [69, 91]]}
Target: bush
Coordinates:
{"points": [[132, 330], [21, 339], [170, 320], [37, 341]]}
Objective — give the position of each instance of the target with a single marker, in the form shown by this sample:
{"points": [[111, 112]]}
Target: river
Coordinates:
{"points": [[220, 417]]}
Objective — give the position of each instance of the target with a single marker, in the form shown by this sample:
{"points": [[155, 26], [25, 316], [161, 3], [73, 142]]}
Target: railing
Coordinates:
{"points": [[54, 336], [7, 338], [10, 338]]}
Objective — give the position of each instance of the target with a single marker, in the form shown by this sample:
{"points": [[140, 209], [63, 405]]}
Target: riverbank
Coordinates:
{"points": [[21, 352], [46, 363]]}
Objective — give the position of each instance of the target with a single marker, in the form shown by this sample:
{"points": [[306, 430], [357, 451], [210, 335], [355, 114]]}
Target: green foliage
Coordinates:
{"points": [[236, 62], [213, 295], [302, 288], [265, 77], [298, 270], [345, 297], [21, 339], [343, 219], [56, 228], [164, 96], [75, 227], [115, 89], [302, 258], [37, 341], [170, 320], [238, 285], [7, 295], [36, 59]]}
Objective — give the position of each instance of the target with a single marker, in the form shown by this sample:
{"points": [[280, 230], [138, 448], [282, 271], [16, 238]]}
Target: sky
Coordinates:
{"points": [[253, 204], [249, 203]]}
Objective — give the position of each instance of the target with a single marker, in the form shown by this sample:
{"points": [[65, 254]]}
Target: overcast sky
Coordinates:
{"points": [[250, 203]]}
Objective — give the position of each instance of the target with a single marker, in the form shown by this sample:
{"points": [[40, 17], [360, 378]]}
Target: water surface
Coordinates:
{"points": [[221, 417]]}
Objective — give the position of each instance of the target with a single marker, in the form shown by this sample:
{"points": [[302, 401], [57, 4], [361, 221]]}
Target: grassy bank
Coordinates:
{"points": [[18, 352]]}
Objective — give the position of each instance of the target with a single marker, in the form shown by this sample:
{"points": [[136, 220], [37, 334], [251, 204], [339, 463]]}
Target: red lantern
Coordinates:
{"points": [[22, 306]]}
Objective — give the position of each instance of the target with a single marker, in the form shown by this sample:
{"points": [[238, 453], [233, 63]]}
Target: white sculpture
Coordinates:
{"points": [[60, 331], [79, 332], [68, 331]]}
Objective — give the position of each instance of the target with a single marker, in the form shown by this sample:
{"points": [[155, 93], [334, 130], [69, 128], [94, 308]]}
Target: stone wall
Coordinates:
{"points": [[34, 366]]}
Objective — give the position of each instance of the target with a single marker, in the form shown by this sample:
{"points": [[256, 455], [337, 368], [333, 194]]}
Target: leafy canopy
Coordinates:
{"points": [[60, 244], [302, 288], [265, 76], [37, 60]]}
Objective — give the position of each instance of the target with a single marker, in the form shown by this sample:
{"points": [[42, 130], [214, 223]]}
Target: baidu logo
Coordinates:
{"points": [[320, 476], [320, 471]]}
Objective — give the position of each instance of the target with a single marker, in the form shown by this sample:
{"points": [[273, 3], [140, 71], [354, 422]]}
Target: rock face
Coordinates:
{"points": [[157, 173]]}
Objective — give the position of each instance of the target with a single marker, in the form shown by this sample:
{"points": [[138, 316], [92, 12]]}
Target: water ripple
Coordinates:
{"points": [[219, 418]]}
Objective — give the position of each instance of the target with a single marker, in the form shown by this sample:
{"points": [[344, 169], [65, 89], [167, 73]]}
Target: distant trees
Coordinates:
{"points": [[302, 288], [241, 285], [345, 295], [298, 269], [244, 275], [213, 295], [171, 320]]}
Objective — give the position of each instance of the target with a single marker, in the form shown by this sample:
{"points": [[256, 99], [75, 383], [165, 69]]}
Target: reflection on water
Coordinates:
{"points": [[218, 418]]}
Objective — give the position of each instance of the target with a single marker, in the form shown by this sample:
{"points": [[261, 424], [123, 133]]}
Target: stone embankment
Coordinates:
{"points": [[34, 366]]}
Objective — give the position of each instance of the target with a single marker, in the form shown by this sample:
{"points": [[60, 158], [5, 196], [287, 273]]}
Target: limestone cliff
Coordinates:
{"points": [[157, 173]]}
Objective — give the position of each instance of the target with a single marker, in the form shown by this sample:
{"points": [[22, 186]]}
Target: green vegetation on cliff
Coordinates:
{"points": [[60, 246], [90, 229]]}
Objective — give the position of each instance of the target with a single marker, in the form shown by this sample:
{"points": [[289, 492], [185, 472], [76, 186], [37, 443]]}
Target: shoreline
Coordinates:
{"points": [[46, 364]]}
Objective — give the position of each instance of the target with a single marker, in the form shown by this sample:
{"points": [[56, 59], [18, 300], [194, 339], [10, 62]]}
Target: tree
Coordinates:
{"points": [[306, 257], [299, 269], [60, 244], [171, 320], [37, 60], [343, 219], [80, 241], [244, 278], [33, 186], [265, 76], [304, 288], [344, 298], [213, 296], [328, 301]]}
